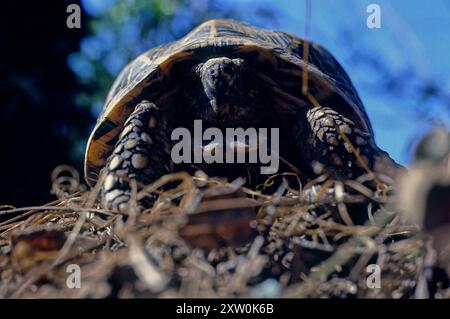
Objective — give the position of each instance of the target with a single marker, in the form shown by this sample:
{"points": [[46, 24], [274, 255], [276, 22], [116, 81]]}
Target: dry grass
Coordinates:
{"points": [[209, 238]]}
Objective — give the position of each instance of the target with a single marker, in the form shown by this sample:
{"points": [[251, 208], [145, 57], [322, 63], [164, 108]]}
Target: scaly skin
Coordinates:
{"points": [[142, 153], [317, 135]]}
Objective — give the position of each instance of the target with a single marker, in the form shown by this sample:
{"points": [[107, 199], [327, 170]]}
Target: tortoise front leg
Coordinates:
{"points": [[332, 139], [142, 153]]}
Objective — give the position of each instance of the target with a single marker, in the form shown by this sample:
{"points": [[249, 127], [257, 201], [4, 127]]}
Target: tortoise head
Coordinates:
{"points": [[224, 92]]}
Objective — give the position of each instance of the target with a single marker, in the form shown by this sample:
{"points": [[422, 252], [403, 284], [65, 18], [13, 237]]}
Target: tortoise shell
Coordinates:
{"points": [[151, 71]]}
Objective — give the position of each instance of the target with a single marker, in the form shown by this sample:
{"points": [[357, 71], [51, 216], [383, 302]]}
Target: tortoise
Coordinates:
{"points": [[229, 74]]}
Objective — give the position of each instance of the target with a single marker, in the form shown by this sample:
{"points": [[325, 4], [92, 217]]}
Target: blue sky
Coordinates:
{"points": [[415, 35]]}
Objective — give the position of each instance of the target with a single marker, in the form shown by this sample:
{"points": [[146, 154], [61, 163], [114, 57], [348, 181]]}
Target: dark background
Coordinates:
{"points": [[39, 120]]}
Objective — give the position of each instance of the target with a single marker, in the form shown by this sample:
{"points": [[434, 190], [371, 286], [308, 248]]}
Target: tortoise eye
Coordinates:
{"points": [[238, 61], [197, 69]]}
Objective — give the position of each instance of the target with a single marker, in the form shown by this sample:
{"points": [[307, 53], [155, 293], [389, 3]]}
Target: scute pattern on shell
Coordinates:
{"points": [[151, 69]]}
